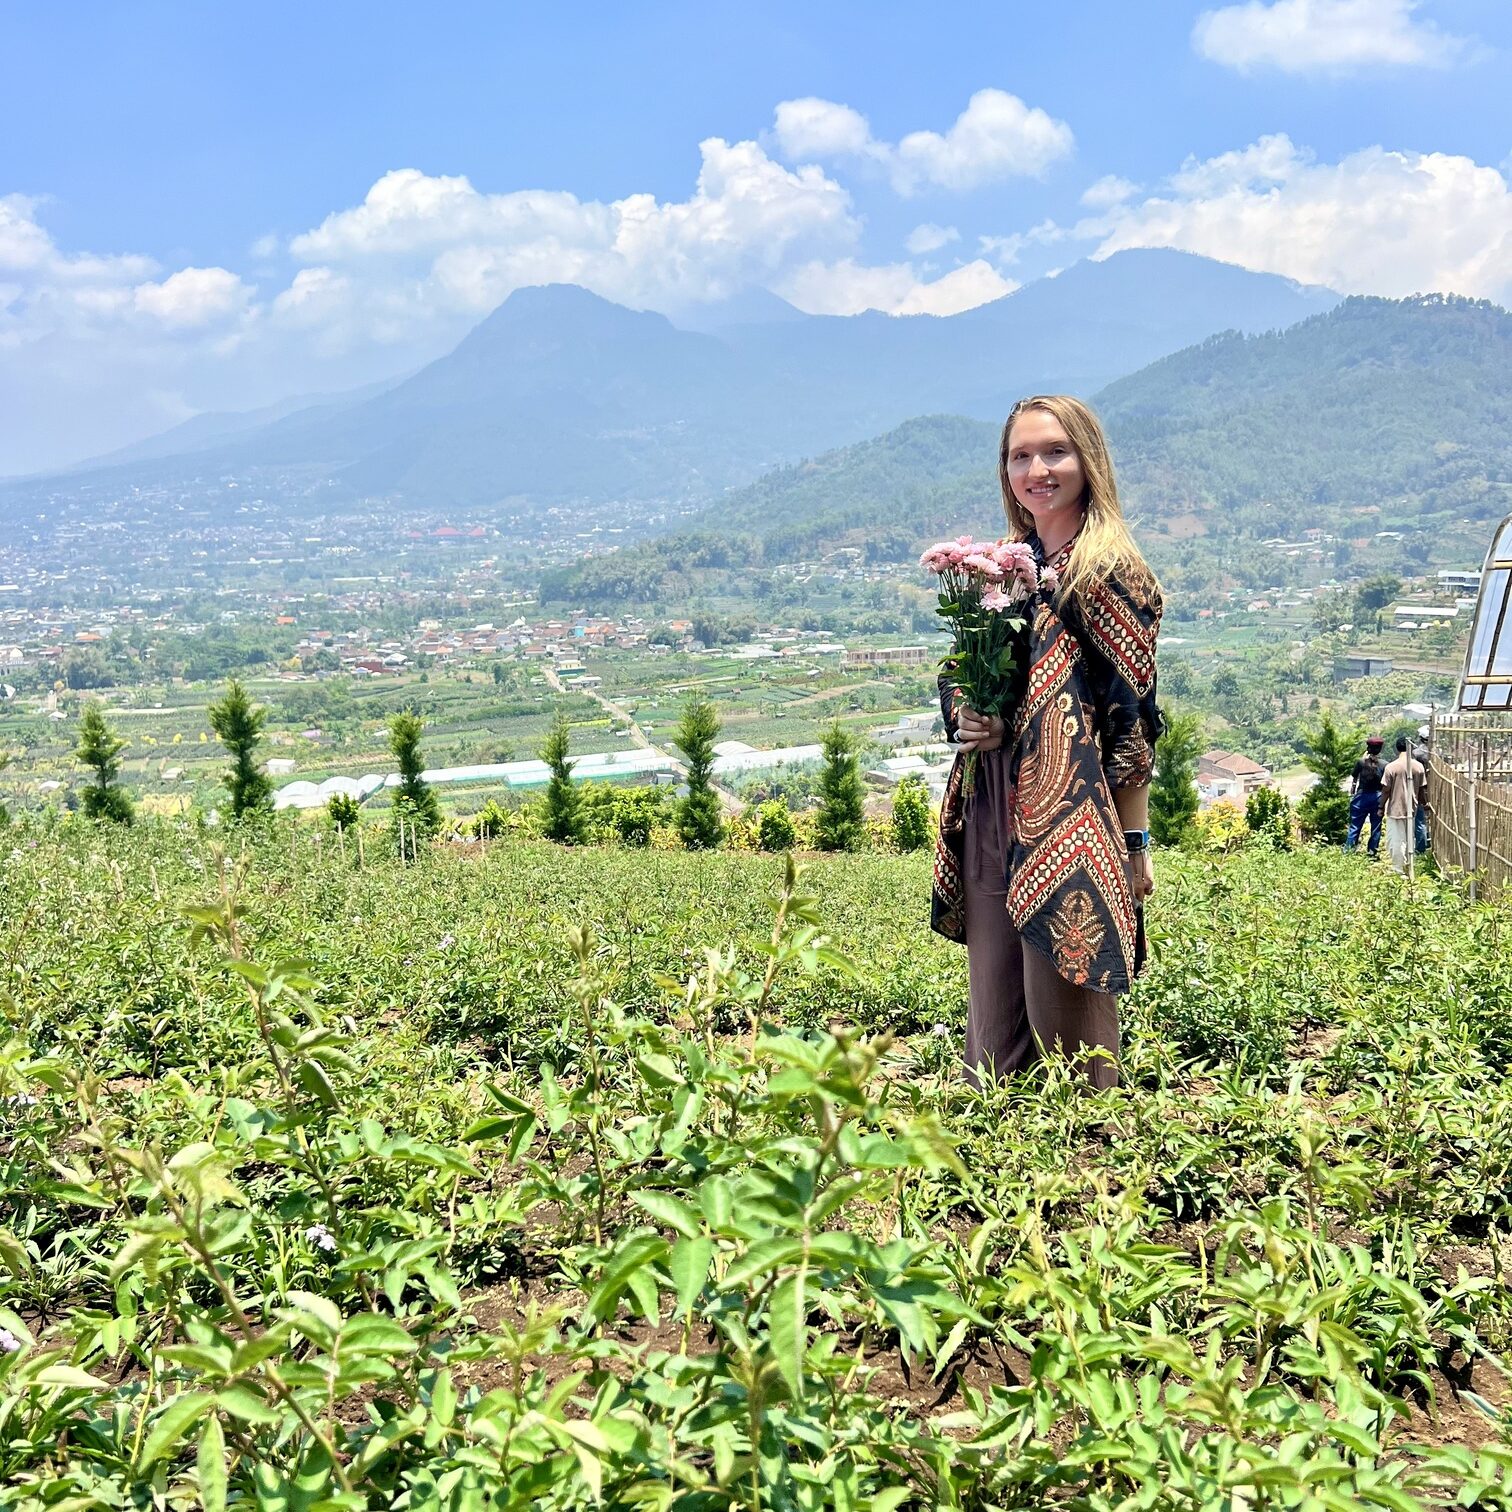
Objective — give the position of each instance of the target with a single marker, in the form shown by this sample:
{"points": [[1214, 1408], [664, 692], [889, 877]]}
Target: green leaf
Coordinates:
{"points": [[716, 1202], [241, 1401], [787, 1324], [313, 1079], [689, 1269], [659, 1070], [14, 1254], [670, 1210], [172, 1423], [372, 1333], [70, 1376], [642, 1286], [210, 1466], [947, 1350], [443, 1398], [637, 1251], [762, 1259]]}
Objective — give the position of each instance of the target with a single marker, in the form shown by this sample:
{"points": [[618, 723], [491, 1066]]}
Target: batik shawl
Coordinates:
{"points": [[1087, 724]]}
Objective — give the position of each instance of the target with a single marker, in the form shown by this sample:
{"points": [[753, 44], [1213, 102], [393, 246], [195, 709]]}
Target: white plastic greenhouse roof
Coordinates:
{"points": [[763, 761], [1487, 683], [304, 794]]}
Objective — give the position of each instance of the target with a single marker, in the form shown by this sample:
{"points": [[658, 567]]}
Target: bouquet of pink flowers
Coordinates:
{"points": [[985, 589]]}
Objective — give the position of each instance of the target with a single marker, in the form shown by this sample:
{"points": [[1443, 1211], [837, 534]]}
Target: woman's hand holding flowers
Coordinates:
{"points": [[978, 732]]}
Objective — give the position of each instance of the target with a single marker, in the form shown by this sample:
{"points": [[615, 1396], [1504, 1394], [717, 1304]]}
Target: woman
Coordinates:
{"points": [[1042, 871]]}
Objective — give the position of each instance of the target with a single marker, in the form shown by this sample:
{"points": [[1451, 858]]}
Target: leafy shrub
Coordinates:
{"points": [[635, 812], [483, 1208], [912, 819], [343, 810], [561, 809], [774, 826], [492, 820], [1173, 791], [700, 819], [1269, 817], [1220, 826]]}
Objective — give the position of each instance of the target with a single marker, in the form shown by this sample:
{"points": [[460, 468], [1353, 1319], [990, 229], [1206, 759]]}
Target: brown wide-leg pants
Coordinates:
{"points": [[1020, 1007]]}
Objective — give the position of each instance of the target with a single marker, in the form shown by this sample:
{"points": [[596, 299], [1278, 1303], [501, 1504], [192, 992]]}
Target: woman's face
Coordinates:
{"points": [[1044, 469]]}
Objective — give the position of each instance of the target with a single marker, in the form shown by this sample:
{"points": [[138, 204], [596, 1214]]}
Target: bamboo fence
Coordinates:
{"points": [[1470, 798]]}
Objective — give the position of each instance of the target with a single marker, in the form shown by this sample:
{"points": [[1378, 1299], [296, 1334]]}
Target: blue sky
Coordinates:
{"points": [[215, 206]]}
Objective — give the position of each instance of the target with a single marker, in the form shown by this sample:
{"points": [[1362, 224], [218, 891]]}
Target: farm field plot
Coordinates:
{"points": [[534, 1177]]}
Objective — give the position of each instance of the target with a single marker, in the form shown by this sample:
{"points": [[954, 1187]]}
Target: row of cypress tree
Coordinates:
{"points": [[839, 824], [238, 724]]}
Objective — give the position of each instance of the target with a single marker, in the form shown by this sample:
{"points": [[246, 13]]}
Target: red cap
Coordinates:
{"points": [[1374, 742]]}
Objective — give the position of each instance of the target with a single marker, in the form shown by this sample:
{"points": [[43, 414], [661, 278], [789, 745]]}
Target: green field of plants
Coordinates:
{"points": [[525, 1177]]}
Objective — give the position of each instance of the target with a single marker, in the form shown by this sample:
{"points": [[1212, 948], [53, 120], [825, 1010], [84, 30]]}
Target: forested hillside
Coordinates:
{"points": [[1379, 415], [1405, 405]]}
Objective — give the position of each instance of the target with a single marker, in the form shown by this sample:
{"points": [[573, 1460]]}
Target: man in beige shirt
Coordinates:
{"points": [[1404, 789]]}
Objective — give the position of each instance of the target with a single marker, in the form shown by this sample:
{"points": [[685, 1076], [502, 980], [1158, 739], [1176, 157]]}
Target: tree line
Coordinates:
{"points": [[839, 821]]}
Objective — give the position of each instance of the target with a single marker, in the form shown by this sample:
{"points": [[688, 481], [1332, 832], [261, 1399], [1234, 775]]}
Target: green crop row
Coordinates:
{"points": [[562, 1179]]}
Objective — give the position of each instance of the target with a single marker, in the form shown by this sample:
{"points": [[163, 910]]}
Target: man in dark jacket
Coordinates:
{"points": [[1365, 797]]}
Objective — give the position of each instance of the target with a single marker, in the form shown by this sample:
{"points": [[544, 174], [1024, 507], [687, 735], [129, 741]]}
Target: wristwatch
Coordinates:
{"points": [[1136, 840]]}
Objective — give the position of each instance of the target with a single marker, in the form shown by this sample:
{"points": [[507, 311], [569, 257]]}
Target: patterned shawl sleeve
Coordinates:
{"points": [[1118, 626], [948, 705]]}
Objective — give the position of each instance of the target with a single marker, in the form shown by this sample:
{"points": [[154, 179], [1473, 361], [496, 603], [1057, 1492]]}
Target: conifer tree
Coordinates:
{"points": [[98, 748], [238, 725], [416, 799], [840, 822], [1173, 789], [698, 817], [562, 818], [1323, 811]]}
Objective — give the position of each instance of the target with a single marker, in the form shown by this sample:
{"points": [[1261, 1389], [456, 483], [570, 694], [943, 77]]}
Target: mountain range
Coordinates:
{"points": [[1377, 415], [561, 395]]}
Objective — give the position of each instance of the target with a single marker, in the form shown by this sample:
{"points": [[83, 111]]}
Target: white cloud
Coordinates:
{"points": [[930, 238], [1375, 222], [27, 251], [193, 297], [1006, 250], [1110, 189], [437, 245], [49, 291], [103, 349], [811, 129], [996, 137], [847, 287], [1322, 36]]}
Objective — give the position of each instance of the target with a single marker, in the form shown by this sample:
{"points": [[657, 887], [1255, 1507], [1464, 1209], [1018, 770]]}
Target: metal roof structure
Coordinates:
{"points": [[1487, 681]]}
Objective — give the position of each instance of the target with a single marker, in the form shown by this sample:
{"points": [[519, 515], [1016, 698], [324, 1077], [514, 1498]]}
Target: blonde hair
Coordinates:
{"points": [[1104, 548]]}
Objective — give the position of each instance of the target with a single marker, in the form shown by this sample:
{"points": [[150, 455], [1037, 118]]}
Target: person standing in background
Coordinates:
{"points": [[1421, 754], [1365, 797], [1403, 785]]}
